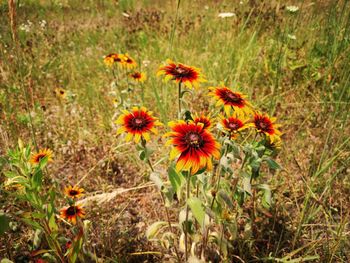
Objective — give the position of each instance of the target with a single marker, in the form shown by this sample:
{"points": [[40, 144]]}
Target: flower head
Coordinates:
{"points": [[194, 145], [266, 125], [110, 59], [188, 75], [275, 145], [205, 120], [230, 100], [137, 123], [60, 93], [36, 158], [73, 191], [138, 76], [72, 212], [233, 125], [128, 62]]}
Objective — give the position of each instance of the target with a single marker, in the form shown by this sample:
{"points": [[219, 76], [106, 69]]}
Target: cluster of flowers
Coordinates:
{"points": [[127, 62], [73, 211], [192, 139]]}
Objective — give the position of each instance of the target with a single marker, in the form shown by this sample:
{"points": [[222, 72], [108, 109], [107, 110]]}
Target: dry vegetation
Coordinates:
{"points": [[292, 64]]}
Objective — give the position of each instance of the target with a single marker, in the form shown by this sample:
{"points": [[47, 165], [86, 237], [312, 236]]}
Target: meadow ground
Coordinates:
{"points": [[291, 58]]}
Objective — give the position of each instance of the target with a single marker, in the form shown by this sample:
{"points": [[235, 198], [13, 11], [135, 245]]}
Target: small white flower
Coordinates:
{"points": [[42, 23], [146, 63], [292, 8], [293, 37], [24, 27], [206, 7], [225, 15]]}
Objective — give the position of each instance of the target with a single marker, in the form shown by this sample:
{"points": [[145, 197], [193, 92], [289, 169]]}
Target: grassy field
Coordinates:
{"points": [[292, 60]]}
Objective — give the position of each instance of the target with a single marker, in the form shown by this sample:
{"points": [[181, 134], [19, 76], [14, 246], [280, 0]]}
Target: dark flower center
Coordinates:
{"points": [[232, 97], [194, 140], [129, 60], [61, 92], [264, 125], [261, 125], [136, 75], [233, 126], [72, 210], [181, 71], [138, 122], [73, 192]]}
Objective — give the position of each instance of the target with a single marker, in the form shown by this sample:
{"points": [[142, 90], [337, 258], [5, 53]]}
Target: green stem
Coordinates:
{"points": [[179, 100], [187, 211]]}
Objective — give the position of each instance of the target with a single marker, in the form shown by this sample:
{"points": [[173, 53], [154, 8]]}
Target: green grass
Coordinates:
{"points": [[304, 82]]}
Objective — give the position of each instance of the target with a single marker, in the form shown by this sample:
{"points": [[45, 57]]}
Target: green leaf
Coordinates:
{"points": [[37, 179], [266, 199], [197, 209], [32, 223], [52, 223], [272, 164], [4, 223], [38, 215], [177, 181]]}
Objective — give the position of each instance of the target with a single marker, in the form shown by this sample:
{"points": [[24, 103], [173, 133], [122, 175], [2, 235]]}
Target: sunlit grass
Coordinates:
{"points": [[291, 64]]}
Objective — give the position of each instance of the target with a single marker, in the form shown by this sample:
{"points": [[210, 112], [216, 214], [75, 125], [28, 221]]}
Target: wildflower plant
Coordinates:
{"points": [[218, 164], [27, 182]]}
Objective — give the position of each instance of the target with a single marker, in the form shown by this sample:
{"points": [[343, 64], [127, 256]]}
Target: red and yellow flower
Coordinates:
{"points": [[179, 72], [194, 145], [233, 124], [138, 76], [73, 191], [128, 62], [71, 213], [137, 123], [110, 59], [37, 157], [230, 100], [266, 125], [205, 120]]}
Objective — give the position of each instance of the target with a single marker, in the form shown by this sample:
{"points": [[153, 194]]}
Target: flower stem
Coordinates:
{"points": [[179, 100], [187, 211]]}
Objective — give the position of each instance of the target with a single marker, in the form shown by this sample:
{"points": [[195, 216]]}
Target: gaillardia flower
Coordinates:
{"points": [[188, 75], [73, 191], [194, 145], [60, 93], [72, 212], [110, 59], [205, 120], [233, 125], [230, 100], [128, 62], [138, 76], [137, 123], [266, 125], [36, 158]]}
